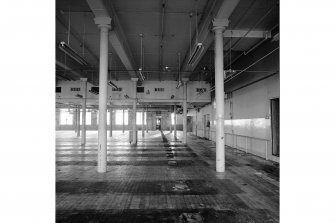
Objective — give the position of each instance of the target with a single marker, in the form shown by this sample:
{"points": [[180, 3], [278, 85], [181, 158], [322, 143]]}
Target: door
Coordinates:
{"points": [[206, 126], [189, 123], [275, 126], [158, 124]]}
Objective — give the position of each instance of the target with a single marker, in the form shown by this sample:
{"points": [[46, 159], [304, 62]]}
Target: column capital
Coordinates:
{"points": [[83, 79], [134, 79], [103, 21], [220, 24]]}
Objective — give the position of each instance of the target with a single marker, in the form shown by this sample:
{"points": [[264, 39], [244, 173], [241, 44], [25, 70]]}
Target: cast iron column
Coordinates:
{"points": [[83, 127], [219, 26], [104, 25]]}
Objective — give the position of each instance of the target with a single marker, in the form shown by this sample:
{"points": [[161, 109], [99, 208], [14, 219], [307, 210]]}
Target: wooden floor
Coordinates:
{"points": [[161, 180]]}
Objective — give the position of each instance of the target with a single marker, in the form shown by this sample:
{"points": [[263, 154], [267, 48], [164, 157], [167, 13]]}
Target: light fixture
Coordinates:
{"points": [[199, 47], [110, 83], [141, 62], [71, 53], [179, 81], [79, 96], [196, 52]]}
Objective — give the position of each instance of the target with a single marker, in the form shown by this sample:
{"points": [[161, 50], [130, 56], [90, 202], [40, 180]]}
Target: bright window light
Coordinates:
{"points": [[139, 118], [66, 117], [88, 117], [172, 118], [118, 117], [108, 117]]}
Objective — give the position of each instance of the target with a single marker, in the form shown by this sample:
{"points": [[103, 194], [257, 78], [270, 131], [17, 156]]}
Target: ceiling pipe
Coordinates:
{"points": [[65, 67], [252, 48], [218, 9]]}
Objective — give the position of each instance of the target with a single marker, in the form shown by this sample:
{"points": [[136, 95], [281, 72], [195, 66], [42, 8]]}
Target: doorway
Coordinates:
{"points": [[189, 123], [275, 126], [158, 124], [206, 126]]}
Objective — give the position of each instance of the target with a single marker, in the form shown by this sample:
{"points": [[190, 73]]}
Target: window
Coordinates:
{"points": [[75, 89], [140, 89], [172, 118], [116, 89], [66, 117], [139, 118], [201, 90], [159, 89], [58, 89], [119, 117], [88, 117]]}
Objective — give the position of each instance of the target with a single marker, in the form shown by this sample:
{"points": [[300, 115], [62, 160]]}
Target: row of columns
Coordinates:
{"points": [[104, 25]]}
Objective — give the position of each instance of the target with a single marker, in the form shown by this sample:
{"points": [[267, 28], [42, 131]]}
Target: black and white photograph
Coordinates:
{"points": [[175, 111], [167, 111]]}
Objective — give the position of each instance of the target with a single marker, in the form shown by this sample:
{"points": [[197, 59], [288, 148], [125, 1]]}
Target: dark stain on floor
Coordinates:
{"points": [[205, 215], [131, 163], [187, 187]]}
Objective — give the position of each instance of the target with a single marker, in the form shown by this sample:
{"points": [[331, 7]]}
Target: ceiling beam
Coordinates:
{"points": [[65, 67], [218, 9], [246, 33], [116, 36]]}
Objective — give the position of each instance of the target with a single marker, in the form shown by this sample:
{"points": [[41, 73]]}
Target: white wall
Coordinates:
{"points": [[127, 89], [247, 113]]}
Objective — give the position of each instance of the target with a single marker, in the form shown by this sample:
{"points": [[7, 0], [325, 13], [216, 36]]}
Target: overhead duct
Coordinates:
{"points": [[71, 53]]}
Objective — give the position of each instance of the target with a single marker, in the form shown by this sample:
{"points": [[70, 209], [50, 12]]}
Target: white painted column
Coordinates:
{"points": [[146, 120], [219, 25], [134, 141], [104, 25], [123, 120], [175, 121], [143, 122], [185, 110], [74, 111], [170, 122], [78, 121], [110, 122], [83, 126]]}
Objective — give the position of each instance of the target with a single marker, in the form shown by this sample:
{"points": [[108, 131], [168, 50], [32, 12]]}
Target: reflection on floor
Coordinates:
{"points": [[161, 180]]}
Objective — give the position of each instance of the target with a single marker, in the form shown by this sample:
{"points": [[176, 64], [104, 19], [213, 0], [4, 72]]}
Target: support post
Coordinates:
{"points": [[104, 25], [78, 121], [83, 127], [122, 120], [110, 122], [218, 26], [185, 110], [175, 122], [74, 120], [146, 120], [134, 141], [143, 122], [170, 122]]}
